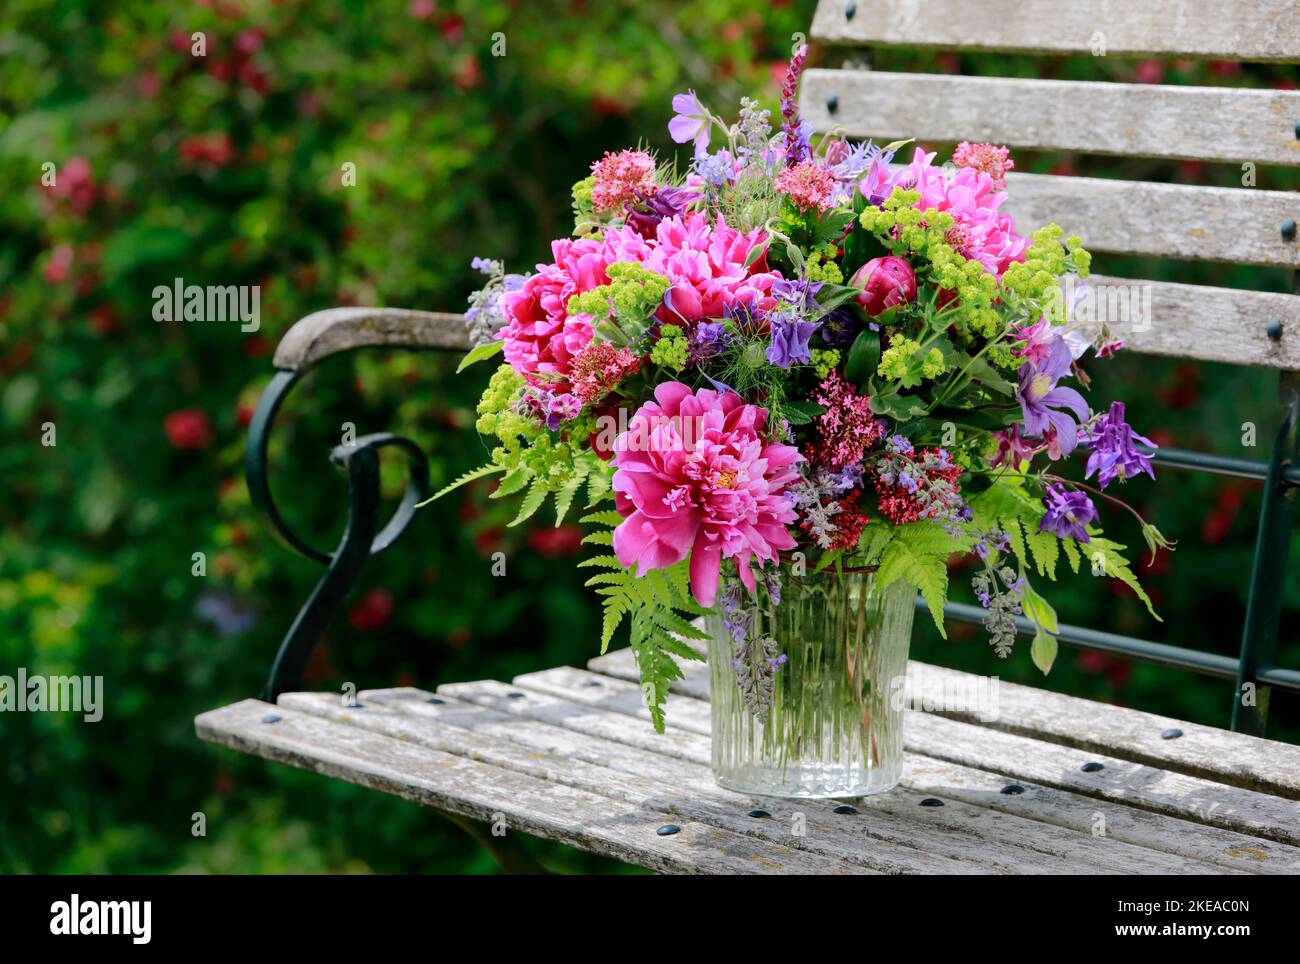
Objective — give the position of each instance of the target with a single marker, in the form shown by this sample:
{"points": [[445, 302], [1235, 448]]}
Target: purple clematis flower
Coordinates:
{"points": [[1068, 513], [790, 335], [1041, 401], [690, 121], [1114, 455], [668, 202]]}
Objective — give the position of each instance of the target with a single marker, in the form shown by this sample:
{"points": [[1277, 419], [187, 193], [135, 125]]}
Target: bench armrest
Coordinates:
{"points": [[325, 333]]}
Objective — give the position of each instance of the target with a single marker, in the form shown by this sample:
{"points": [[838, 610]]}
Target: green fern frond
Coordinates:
{"points": [[1105, 554], [481, 472], [531, 503], [918, 554]]}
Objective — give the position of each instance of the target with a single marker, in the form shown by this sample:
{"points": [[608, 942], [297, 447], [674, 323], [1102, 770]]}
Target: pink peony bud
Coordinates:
{"points": [[883, 283]]}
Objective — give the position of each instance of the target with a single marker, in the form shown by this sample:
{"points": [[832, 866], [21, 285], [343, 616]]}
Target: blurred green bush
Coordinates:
{"points": [[227, 169]]}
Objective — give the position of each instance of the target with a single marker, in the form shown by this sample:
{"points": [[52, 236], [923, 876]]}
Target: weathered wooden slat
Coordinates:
{"points": [[461, 785], [609, 769], [1261, 30], [968, 831], [328, 332], [1198, 123], [1197, 321], [1234, 225], [1134, 784], [1159, 831], [1203, 751]]}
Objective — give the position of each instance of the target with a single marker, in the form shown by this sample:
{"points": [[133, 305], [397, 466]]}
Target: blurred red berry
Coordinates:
{"points": [[554, 541], [59, 266], [188, 428], [372, 612], [1149, 72]]}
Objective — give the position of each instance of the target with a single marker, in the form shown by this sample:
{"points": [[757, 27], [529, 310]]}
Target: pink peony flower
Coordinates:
{"points": [[695, 477], [621, 179], [883, 283], [970, 196], [541, 339], [704, 262], [706, 265]]}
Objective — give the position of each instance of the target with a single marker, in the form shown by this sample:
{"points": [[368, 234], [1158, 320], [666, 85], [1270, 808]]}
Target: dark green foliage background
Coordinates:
{"points": [[458, 153]]}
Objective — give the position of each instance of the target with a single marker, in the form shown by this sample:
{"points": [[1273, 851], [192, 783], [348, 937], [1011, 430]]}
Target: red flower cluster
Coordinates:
{"points": [[849, 522], [898, 501], [598, 368]]}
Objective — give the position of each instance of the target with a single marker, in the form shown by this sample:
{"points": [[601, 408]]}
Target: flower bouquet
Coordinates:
{"points": [[790, 382]]}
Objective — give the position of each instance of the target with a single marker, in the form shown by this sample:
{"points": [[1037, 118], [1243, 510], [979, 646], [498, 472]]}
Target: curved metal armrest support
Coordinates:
{"points": [[334, 330], [308, 342]]}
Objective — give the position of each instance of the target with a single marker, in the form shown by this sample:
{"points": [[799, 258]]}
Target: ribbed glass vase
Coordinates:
{"points": [[832, 727]]}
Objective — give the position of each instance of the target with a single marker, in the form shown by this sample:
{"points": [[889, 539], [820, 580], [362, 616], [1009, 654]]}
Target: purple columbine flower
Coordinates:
{"points": [[1114, 455], [690, 121], [1042, 401], [1068, 513], [790, 335]]}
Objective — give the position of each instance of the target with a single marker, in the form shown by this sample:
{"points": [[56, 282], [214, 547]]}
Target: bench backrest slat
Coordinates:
{"points": [[1146, 120], [1217, 124], [1255, 30]]}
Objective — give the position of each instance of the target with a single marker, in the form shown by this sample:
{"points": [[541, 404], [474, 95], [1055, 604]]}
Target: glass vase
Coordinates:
{"points": [[806, 694]]}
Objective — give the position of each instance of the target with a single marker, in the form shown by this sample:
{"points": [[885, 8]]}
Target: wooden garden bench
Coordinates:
{"points": [[1054, 783]]}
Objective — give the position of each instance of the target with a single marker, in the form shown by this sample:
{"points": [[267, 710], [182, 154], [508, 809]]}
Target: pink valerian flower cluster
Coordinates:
{"points": [[993, 161], [598, 368], [716, 492], [704, 260], [622, 179], [847, 429], [809, 185]]}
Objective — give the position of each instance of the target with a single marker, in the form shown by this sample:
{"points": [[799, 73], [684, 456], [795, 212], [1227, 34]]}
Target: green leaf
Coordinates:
{"points": [[480, 352], [480, 472], [864, 356], [918, 553], [1106, 553], [872, 543], [532, 502], [800, 412], [564, 497], [755, 253], [607, 517], [1039, 610], [512, 483], [1043, 651]]}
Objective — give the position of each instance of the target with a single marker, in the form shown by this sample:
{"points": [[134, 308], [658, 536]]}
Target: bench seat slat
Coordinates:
{"points": [[1221, 755], [1260, 30], [1198, 123], [963, 788], [470, 788], [1233, 225], [637, 777], [1135, 784]]}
